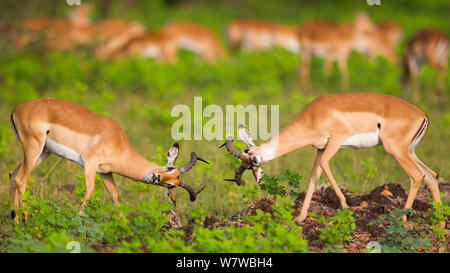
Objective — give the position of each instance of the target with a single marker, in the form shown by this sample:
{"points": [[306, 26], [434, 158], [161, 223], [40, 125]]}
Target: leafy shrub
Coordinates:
{"points": [[272, 184], [55, 242], [264, 233], [397, 238], [338, 228], [439, 216]]}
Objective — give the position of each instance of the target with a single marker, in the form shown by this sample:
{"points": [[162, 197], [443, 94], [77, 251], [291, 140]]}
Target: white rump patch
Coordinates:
{"points": [[63, 151], [364, 140]]}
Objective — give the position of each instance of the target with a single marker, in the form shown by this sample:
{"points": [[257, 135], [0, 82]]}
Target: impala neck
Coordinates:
{"points": [[293, 137], [134, 166]]}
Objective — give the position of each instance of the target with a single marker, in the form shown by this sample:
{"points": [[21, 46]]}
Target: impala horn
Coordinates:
{"points": [[192, 162], [229, 145], [238, 176], [246, 160], [193, 194]]}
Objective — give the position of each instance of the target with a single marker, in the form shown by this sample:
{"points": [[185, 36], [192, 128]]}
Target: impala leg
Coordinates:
{"points": [[108, 181], [440, 86], [90, 170], [330, 150], [169, 54], [33, 156], [14, 188], [315, 175], [431, 178], [342, 64], [328, 66], [415, 173], [303, 71], [209, 55], [440, 63]]}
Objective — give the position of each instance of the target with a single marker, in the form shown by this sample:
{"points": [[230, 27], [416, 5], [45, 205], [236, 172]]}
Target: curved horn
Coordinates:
{"points": [[192, 162], [238, 176], [229, 145], [190, 190]]}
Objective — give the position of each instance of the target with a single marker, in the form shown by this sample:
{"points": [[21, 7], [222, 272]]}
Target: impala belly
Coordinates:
{"points": [[293, 46], [151, 52], [190, 45], [364, 140], [67, 143], [63, 151]]}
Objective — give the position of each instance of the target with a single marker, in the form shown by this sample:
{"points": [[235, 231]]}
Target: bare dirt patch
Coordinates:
{"points": [[367, 208]]}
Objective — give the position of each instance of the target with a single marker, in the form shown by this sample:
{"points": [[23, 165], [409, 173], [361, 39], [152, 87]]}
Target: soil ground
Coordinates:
{"points": [[367, 207]]}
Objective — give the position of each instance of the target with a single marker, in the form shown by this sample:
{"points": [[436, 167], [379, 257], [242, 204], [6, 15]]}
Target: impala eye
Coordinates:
{"points": [[170, 169], [246, 151]]}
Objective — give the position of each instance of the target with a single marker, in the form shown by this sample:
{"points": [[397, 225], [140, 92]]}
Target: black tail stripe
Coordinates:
{"points": [[419, 132]]}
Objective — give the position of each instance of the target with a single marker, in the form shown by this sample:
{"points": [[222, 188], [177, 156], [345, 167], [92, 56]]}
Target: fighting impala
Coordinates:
{"points": [[353, 120], [52, 126]]}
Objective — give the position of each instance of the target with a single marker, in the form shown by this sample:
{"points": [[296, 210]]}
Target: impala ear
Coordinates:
{"points": [[172, 155], [245, 136]]}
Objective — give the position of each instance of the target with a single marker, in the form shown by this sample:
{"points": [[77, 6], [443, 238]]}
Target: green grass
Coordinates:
{"points": [[139, 94]]}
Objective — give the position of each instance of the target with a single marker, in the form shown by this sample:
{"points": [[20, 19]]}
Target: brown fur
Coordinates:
{"points": [[100, 143], [257, 35], [426, 46], [54, 31], [328, 121], [196, 38], [332, 42], [162, 42], [383, 42]]}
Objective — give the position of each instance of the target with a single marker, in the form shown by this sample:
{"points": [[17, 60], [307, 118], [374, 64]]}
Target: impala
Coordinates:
{"points": [[258, 35], [111, 34], [431, 46], [334, 43], [159, 46], [382, 42], [53, 30], [52, 126], [197, 39], [250, 34], [286, 36], [353, 120]]}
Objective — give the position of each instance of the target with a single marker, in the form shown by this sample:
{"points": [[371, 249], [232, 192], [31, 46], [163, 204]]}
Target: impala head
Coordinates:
{"points": [[363, 24], [251, 157], [234, 33], [169, 176]]}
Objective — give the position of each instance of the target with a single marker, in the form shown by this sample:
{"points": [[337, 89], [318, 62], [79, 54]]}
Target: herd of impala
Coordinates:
{"points": [[356, 120]]}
